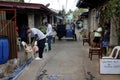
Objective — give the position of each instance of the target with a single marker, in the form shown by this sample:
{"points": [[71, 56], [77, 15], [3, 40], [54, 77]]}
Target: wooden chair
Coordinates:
{"points": [[95, 51], [86, 40]]}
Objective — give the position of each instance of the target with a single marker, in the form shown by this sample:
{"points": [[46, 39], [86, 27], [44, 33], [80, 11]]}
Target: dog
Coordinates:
{"points": [[29, 49]]}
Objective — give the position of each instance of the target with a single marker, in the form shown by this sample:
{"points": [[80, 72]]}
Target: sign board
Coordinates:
{"points": [[109, 66]]}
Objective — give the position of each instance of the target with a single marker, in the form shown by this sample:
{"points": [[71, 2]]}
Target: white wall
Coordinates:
{"points": [[31, 20]]}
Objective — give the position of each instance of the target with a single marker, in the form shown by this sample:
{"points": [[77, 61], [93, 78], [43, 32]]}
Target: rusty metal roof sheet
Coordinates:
{"points": [[25, 6], [89, 3]]}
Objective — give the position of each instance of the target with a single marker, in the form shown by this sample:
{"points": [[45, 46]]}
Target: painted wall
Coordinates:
{"points": [[31, 20]]}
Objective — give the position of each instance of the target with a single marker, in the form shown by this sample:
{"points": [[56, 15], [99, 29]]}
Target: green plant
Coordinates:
{"points": [[112, 12], [43, 29]]}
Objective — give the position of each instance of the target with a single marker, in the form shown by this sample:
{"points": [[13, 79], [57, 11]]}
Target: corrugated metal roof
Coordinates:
{"points": [[25, 6]]}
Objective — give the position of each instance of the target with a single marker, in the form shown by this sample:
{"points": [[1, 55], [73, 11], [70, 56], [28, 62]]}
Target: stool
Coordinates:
{"points": [[46, 47], [95, 51]]}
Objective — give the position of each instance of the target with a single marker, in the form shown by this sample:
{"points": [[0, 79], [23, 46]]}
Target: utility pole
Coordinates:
{"points": [[66, 5]]}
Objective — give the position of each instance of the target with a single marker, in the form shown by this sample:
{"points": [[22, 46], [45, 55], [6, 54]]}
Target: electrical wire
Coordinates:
{"points": [[59, 3]]}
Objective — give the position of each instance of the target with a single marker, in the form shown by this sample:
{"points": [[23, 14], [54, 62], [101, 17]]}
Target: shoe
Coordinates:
{"points": [[37, 58]]}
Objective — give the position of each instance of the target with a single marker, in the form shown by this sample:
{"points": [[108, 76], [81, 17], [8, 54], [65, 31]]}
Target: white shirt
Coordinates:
{"points": [[49, 31], [38, 32], [98, 34]]}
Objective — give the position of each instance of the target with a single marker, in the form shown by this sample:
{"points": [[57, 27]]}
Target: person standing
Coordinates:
{"points": [[98, 35], [41, 39], [73, 28], [106, 38], [49, 34]]}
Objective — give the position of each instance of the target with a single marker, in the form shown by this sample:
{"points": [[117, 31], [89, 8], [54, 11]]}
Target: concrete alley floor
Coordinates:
{"points": [[68, 60]]}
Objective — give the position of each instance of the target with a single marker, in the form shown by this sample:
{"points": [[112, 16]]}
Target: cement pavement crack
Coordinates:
{"points": [[42, 67]]}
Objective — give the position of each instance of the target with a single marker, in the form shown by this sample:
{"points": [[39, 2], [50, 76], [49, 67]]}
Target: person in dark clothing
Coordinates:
{"points": [[106, 38], [73, 28]]}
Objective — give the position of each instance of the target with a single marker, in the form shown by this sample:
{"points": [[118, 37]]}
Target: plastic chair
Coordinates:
{"points": [[46, 47], [19, 43], [114, 54]]}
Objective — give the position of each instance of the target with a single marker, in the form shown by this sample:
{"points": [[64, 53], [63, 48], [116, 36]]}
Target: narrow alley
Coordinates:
{"points": [[68, 60]]}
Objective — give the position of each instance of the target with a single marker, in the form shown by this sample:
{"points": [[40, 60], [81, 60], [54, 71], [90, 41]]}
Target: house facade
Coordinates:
{"points": [[16, 15], [94, 14]]}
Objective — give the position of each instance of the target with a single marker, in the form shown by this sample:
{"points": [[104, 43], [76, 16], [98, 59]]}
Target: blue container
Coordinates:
{"points": [[69, 33], [4, 50]]}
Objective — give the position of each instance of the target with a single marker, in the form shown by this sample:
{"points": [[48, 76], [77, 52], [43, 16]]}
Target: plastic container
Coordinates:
{"points": [[69, 33], [4, 49]]}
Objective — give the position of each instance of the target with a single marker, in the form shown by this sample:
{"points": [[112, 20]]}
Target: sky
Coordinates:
{"points": [[57, 4]]}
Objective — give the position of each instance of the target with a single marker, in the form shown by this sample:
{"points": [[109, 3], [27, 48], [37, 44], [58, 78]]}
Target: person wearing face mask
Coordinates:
{"points": [[40, 37]]}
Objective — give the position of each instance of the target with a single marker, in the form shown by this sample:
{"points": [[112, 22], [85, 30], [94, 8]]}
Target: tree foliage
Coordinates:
{"points": [[77, 13], [112, 11]]}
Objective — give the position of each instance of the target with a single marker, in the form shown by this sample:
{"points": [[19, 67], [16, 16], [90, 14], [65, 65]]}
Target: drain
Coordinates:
{"points": [[41, 76]]}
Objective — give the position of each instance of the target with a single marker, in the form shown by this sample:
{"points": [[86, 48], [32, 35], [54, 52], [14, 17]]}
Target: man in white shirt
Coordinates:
{"points": [[40, 37], [49, 34]]}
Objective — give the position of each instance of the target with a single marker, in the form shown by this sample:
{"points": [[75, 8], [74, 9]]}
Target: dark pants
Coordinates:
{"points": [[49, 38], [41, 45], [53, 39], [105, 51]]}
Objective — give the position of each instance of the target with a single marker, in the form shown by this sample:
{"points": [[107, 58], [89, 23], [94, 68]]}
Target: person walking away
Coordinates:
{"points": [[98, 35], [106, 38], [49, 34], [73, 28], [41, 39]]}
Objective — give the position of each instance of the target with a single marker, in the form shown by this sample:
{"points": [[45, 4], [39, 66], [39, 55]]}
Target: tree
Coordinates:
{"points": [[111, 13], [77, 12]]}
